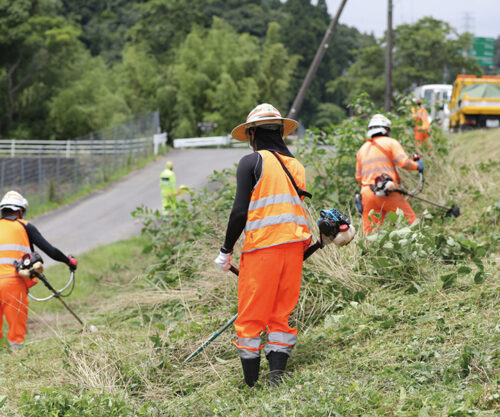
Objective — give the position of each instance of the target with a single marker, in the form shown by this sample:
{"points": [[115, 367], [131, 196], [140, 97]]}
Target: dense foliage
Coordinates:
{"points": [[71, 67]]}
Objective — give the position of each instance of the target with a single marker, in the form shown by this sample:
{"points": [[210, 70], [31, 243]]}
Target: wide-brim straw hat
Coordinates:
{"points": [[264, 114]]}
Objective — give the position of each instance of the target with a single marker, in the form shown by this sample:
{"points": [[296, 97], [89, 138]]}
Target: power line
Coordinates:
{"points": [[468, 22]]}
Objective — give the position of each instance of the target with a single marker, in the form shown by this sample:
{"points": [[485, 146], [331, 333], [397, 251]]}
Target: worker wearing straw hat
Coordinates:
{"points": [[270, 211]]}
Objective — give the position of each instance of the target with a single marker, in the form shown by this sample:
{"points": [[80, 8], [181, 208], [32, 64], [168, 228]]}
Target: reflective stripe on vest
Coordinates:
{"points": [[14, 243], [275, 213]]}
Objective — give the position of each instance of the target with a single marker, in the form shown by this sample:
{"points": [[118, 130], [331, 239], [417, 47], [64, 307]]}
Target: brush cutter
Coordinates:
{"points": [[31, 266], [331, 223]]}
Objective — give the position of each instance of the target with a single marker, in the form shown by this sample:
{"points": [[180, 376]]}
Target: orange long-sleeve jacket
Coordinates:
{"points": [[380, 155]]}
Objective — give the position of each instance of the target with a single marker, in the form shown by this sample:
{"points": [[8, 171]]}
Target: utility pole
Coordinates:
{"points": [[297, 103], [388, 60]]}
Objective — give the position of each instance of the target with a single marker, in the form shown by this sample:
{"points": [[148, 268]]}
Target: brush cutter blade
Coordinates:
{"points": [[453, 211]]}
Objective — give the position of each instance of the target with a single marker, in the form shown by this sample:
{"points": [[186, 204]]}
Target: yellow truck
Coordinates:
{"points": [[475, 102]]}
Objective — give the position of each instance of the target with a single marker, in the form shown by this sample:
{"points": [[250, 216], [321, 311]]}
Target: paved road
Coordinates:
{"points": [[104, 216]]}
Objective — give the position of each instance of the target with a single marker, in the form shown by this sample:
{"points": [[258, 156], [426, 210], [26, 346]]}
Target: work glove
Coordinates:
{"points": [[345, 235], [73, 263], [223, 261], [418, 159]]}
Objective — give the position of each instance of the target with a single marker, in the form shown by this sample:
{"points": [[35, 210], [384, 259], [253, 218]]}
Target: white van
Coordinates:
{"points": [[436, 98]]}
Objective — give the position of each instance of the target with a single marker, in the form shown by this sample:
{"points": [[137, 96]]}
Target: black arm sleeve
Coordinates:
{"points": [[249, 170], [39, 241]]}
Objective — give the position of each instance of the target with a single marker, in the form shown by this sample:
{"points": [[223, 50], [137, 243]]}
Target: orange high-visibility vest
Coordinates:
{"points": [[379, 156], [14, 243], [421, 119], [275, 213]]}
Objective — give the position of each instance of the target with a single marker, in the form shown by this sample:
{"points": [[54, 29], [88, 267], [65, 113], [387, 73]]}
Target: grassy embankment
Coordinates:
{"points": [[425, 352]]}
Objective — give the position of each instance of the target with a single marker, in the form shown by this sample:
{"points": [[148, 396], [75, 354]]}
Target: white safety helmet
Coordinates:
{"points": [[379, 125], [264, 114], [14, 201]]}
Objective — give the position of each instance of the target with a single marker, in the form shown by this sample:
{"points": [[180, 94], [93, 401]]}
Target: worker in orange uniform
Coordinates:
{"points": [[422, 123], [268, 207], [379, 155], [17, 238]]}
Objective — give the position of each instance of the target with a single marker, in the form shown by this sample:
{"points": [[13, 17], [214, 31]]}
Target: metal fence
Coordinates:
{"points": [[52, 170]]}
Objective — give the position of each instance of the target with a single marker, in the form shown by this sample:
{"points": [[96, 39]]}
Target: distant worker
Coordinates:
{"points": [[268, 207], [376, 163], [422, 123], [168, 188], [17, 237]]}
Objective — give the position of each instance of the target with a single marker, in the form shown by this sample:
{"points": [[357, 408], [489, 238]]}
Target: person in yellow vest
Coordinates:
{"points": [[168, 188], [269, 209], [18, 237], [422, 123]]}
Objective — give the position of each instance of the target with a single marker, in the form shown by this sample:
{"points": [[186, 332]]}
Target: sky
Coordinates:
{"points": [[480, 17]]}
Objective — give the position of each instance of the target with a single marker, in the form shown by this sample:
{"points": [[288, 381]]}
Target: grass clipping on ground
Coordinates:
{"points": [[364, 348]]}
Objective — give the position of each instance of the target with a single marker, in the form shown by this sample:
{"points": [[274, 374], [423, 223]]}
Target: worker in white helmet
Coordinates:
{"points": [[376, 163], [18, 237]]}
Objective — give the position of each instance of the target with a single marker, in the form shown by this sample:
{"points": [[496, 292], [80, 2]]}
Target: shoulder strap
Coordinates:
{"points": [[300, 191]]}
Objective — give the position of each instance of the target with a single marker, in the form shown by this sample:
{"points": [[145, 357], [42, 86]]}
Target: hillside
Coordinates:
{"points": [[412, 330]]}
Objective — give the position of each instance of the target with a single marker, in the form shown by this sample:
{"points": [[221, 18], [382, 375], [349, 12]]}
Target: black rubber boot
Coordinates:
{"points": [[277, 365], [251, 370]]}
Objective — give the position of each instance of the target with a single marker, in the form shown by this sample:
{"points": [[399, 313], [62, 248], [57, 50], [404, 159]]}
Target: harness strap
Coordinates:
{"points": [[300, 191]]}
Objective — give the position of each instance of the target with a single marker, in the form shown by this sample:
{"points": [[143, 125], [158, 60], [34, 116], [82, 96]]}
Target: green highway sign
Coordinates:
{"points": [[483, 50]]}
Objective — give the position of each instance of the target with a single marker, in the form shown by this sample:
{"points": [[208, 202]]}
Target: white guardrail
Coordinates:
{"points": [[206, 141], [69, 148]]}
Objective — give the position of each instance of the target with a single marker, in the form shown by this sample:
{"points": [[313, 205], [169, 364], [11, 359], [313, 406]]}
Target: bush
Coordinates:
{"points": [[399, 255]]}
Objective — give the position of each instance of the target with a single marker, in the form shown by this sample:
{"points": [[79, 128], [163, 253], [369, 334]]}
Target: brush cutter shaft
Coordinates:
{"points": [[212, 338], [58, 296], [421, 198]]}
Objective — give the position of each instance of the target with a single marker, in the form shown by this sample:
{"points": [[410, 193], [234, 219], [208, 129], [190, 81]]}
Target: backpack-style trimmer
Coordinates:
{"points": [[331, 223]]}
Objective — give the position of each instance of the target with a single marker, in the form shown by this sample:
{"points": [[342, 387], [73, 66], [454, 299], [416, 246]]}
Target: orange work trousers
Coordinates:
{"points": [[268, 291], [421, 139], [382, 206], [14, 305]]}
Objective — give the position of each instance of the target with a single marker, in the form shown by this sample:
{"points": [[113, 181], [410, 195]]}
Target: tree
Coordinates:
{"points": [[89, 103], [140, 77], [426, 52], [104, 24], [366, 74], [303, 30], [219, 75], [430, 51], [31, 40], [246, 16], [163, 25]]}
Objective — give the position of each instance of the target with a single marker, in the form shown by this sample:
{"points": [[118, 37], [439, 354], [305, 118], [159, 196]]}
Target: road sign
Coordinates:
{"points": [[483, 50], [207, 126]]}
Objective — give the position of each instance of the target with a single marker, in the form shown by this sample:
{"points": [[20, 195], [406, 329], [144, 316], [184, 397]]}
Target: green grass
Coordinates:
{"points": [[428, 352]]}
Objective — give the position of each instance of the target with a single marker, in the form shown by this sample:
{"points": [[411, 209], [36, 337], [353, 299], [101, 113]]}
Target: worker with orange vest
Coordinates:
{"points": [[378, 158], [422, 123], [17, 238], [269, 209]]}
